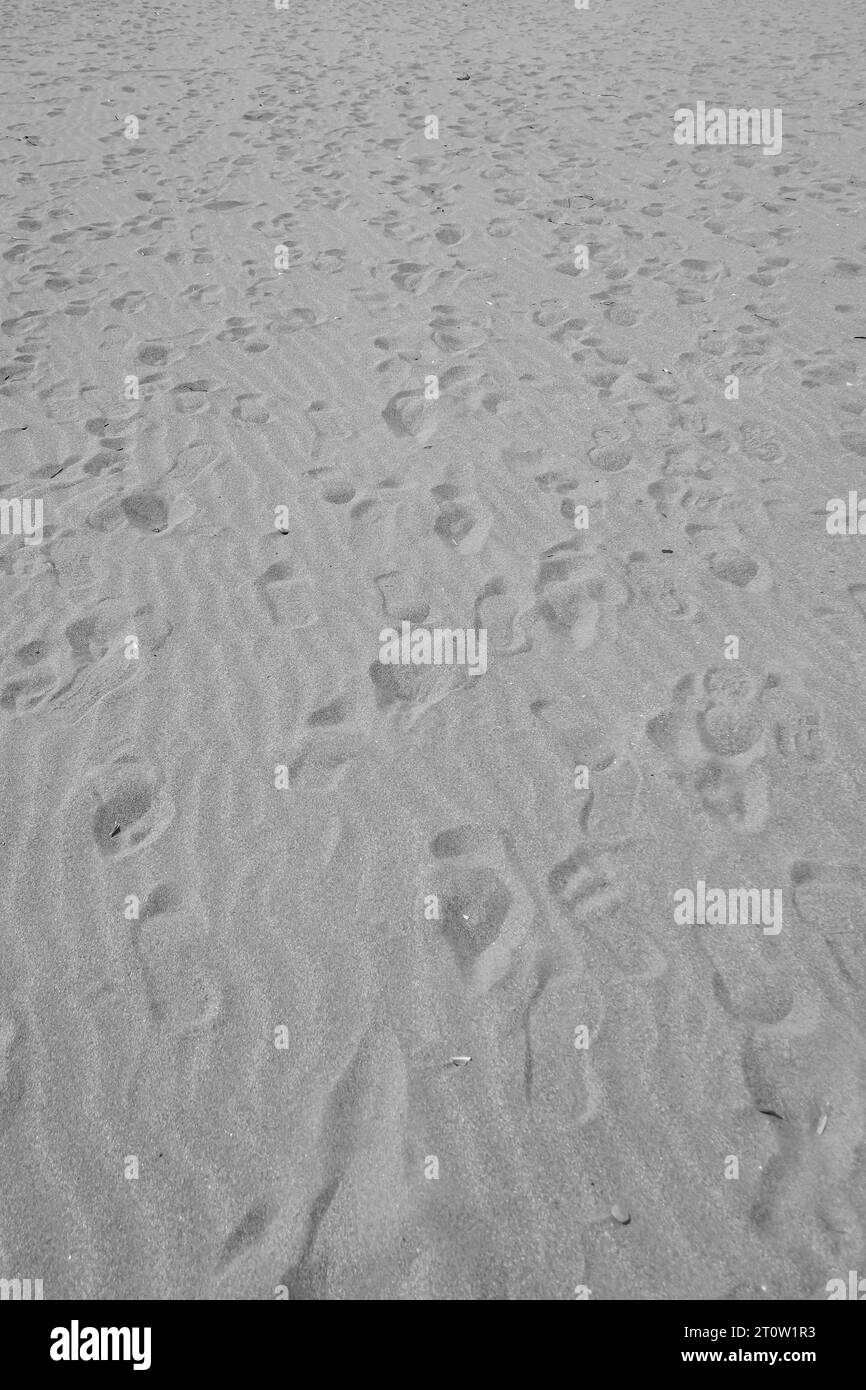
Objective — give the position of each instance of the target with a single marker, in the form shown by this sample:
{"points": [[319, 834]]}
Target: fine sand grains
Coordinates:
{"points": [[328, 978]]}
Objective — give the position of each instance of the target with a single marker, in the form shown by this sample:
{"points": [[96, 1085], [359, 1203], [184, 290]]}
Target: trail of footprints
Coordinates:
{"points": [[724, 734]]}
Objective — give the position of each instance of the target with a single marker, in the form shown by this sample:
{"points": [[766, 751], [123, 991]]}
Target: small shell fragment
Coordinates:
{"points": [[822, 1123], [620, 1213]]}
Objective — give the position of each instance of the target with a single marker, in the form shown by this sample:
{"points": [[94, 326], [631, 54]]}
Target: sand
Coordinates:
{"points": [[324, 978]]}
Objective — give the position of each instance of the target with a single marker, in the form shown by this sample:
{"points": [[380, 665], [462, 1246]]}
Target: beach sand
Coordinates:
{"points": [[262, 889]]}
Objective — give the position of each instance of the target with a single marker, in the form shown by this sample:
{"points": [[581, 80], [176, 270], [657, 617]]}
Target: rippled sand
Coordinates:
{"points": [[322, 978]]}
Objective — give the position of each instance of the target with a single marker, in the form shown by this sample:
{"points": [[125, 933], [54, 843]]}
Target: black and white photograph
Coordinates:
{"points": [[433, 663]]}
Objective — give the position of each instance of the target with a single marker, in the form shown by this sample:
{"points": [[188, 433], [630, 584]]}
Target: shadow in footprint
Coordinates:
{"points": [[474, 906]]}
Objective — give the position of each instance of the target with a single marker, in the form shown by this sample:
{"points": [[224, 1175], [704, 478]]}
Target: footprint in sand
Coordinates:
{"points": [[402, 597], [153, 355], [798, 728], [485, 910], [251, 409], [70, 673], [293, 321], [146, 510], [134, 808], [414, 277], [453, 334], [409, 415], [716, 746], [461, 526], [622, 315], [609, 803], [735, 567], [323, 758], [830, 899], [574, 597], [804, 1080], [827, 369], [610, 455], [288, 598], [740, 799], [164, 897], [473, 904], [692, 505], [115, 450], [330, 425], [585, 884], [649, 577], [247, 1233], [757, 442], [410, 693], [502, 617], [180, 980], [236, 330], [190, 397]]}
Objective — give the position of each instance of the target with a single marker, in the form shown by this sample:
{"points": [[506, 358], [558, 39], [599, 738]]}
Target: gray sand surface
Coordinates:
{"points": [[288, 366]]}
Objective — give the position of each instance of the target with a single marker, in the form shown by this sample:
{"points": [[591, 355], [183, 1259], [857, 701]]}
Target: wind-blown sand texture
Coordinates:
{"points": [[298, 914]]}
